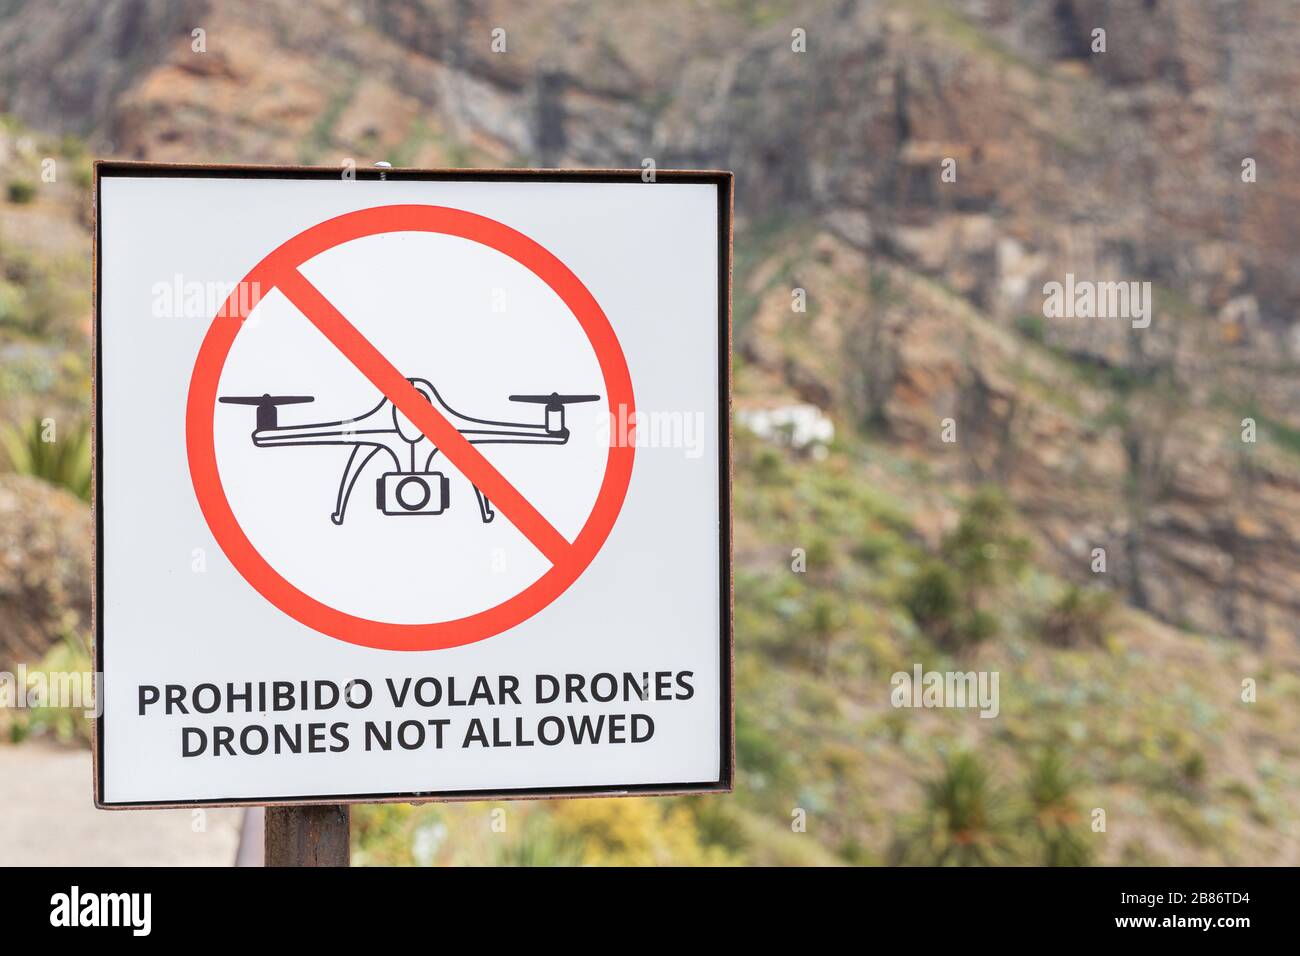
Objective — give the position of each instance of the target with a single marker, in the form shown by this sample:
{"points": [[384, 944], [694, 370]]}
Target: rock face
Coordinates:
{"points": [[1195, 525], [45, 568], [1122, 163], [65, 65], [946, 160], [1125, 163]]}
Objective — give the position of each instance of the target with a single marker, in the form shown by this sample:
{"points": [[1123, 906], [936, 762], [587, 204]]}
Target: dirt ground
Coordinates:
{"points": [[47, 819]]}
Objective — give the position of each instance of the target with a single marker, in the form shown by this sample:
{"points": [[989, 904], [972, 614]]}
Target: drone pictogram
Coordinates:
{"points": [[412, 488]]}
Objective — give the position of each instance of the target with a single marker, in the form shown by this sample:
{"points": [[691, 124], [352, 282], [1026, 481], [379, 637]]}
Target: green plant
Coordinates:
{"points": [[21, 191], [760, 755], [539, 845], [932, 597], [1080, 617], [66, 669], [821, 555], [72, 147], [1058, 824], [977, 627], [39, 297], [964, 821], [39, 450], [717, 825], [769, 467], [821, 623], [947, 596], [1032, 326], [1193, 769], [982, 548]]}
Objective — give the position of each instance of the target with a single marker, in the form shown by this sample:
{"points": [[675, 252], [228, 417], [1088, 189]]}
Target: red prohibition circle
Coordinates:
{"points": [[281, 266]]}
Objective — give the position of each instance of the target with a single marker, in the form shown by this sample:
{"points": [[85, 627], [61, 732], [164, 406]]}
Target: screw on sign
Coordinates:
{"points": [[409, 426]]}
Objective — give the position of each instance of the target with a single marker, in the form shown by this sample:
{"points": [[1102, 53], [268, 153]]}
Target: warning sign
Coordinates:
{"points": [[411, 486], [415, 428]]}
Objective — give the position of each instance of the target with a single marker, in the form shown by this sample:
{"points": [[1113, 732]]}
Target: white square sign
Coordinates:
{"points": [[411, 485]]}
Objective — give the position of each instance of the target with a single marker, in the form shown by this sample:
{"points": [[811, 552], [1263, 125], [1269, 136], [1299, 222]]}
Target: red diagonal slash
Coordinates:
{"points": [[393, 384]]}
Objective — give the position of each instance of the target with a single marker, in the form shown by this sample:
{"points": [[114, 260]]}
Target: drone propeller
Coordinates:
{"points": [[266, 405], [554, 399], [555, 403]]}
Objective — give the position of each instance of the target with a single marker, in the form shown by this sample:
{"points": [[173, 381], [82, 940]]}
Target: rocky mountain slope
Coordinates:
{"points": [[1117, 165]]}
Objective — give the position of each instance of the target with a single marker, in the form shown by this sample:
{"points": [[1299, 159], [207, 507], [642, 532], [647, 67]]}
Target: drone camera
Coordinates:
{"points": [[412, 493]]}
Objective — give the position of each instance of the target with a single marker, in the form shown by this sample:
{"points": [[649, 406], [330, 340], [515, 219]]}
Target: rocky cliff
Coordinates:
{"points": [[1115, 157]]}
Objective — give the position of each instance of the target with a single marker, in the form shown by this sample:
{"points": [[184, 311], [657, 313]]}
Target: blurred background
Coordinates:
{"points": [[929, 469]]}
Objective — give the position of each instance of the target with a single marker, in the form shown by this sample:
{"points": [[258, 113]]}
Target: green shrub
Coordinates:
{"points": [[12, 302], [964, 820], [41, 450], [1193, 769], [68, 724], [717, 825], [820, 554], [539, 845], [932, 597], [821, 623], [978, 626], [947, 597], [1059, 825], [1079, 618], [935, 600], [761, 757], [982, 548], [72, 147], [21, 191], [769, 467], [39, 297], [1032, 326]]}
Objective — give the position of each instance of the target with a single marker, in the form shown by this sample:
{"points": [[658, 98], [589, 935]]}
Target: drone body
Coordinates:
{"points": [[411, 487]]}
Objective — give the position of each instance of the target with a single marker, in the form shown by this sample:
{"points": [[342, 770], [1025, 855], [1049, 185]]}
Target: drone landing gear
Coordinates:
{"points": [[350, 474], [484, 506]]}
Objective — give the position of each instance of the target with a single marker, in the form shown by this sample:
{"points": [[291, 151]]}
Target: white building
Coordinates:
{"points": [[803, 427]]}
